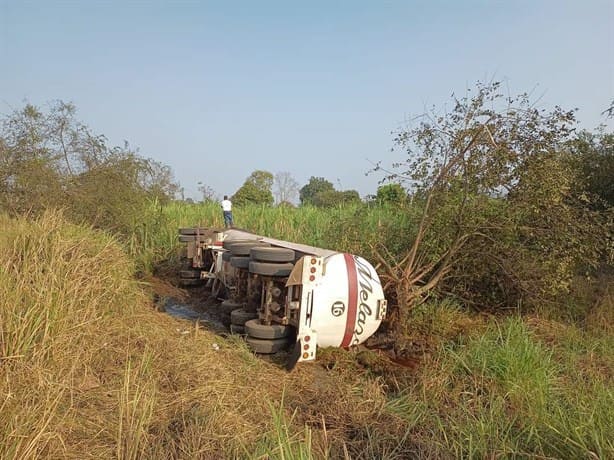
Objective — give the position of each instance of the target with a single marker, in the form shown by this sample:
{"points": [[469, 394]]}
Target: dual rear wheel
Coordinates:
{"points": [[270, 262], [261, 338]]}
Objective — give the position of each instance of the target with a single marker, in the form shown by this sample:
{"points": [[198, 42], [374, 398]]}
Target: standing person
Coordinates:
{"points": [[227, 208]]}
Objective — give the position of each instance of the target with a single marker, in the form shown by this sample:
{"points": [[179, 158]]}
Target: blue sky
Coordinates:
{"points": [[219, 89]]}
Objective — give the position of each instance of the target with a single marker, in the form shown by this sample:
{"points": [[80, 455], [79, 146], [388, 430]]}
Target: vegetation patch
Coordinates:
{"points": [[494, 242]]}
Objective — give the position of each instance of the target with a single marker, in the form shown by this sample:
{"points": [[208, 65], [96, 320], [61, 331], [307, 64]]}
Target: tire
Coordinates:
{"points": [[243, 249], [272, 254], [239, 262], [240, 316], [266, 347], [190, 274], [227, 243], [226, 256], [262, 331], [190, 282], [269, 269], [236, 329], [227, 306]]}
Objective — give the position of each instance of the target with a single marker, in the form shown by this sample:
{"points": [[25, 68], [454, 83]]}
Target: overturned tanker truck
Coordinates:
{"points": [[282, 295]]}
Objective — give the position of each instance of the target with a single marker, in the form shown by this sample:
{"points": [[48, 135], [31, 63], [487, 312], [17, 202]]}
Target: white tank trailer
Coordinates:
{"points": [[283, 295]]}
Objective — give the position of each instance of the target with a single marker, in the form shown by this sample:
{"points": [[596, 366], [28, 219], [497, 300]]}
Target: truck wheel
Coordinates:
{"points": [[266, 347], [242, 249], [236, 329], [240, 316], [268, 269], [227, 243], [262, 331], [189, 274], [272, 254], [239, 262], [227, 306], [186, 264]]}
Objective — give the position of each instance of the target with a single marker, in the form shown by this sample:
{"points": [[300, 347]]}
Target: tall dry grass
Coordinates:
{"points": [[56, 279], [59, 284]]}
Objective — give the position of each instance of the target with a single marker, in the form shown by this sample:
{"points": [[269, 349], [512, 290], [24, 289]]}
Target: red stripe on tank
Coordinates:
{"points": [[350, 323]]}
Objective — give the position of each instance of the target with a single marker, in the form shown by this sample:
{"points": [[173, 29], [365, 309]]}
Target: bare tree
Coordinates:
{"points": [[286, 188], [208, 192], [609, 112]]}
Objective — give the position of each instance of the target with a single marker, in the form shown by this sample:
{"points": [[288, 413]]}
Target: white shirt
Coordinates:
{"points": [[226, 205]]}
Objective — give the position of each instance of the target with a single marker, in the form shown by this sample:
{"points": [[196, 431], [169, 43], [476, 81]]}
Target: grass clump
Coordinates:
{"points": [[60, 286], [506, 393], [280, 442], [56, 279]]}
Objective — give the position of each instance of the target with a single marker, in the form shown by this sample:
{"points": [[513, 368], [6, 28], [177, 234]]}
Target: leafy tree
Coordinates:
{"points": [[255, 190], [30, 171], [308, 192], [286, 188], [594, 158], [331, 198], [500, 224], [393, 193], [156, 179], [321, 193], [349, 197], [326, 199], [50, 159]]}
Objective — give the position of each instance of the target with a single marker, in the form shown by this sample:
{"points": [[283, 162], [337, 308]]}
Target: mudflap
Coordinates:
{"points": [[294, 356]]}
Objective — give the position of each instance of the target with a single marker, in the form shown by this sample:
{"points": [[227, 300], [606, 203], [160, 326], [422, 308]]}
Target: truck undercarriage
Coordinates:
{"points": [[283, 295]]}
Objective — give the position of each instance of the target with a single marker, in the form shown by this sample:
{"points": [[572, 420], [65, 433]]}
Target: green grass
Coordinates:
{"points": [[280, 442], [504, 393], [356, 228]]}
